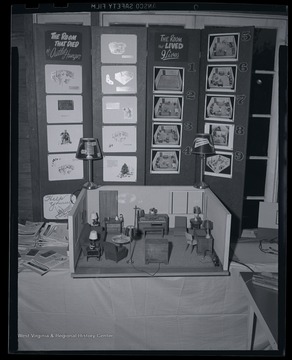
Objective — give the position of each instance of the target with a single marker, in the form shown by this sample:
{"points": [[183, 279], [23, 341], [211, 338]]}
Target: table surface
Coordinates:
{"points": [[264, 302]]}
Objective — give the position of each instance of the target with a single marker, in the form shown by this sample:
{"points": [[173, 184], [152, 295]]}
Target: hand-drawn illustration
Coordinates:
{"points": [[63, 78], [64, 167], [63, 138], [120, 168], [119, 138], [119, 79], [118, 48]]}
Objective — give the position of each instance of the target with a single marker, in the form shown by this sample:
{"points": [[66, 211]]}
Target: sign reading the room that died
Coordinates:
{"points": [[171, 46], [63, 45]]}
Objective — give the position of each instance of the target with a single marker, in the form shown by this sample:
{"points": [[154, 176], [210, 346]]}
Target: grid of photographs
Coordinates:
{"points": [[119, 112], [167, 116], [219, 107]]}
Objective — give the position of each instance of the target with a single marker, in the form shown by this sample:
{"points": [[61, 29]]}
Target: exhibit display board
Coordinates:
{"points": [[144, 93]]}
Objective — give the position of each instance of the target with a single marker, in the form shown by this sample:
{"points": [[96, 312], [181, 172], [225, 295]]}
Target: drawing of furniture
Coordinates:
{"points": [[113, 252]]}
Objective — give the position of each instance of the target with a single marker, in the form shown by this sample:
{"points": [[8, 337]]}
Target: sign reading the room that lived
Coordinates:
{"points": [[171, 46], [63, 45]]}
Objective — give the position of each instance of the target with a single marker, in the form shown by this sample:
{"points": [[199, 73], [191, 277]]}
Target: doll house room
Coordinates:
{"points": [[148, 206]]}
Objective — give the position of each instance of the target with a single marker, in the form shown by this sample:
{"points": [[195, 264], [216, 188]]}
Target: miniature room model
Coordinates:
{"points": [[148, 178]]}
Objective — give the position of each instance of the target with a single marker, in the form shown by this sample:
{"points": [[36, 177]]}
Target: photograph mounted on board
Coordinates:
{"points": [[219, 107], [165, 161], [168, 79], [166, 135], [167, 108], [219, 165], [223, 47], [222, 134], [221, 78]]}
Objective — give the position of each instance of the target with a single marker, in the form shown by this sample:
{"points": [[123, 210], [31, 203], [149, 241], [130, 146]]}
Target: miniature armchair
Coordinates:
{"points": [[113, 252], [190, 241]]}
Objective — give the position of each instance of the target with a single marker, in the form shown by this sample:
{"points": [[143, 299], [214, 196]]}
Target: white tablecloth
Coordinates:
{"points": [[57, 312]]}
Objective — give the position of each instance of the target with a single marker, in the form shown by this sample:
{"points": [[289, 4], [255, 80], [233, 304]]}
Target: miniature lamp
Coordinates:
{"points": [[89, 150], [202, 145]]}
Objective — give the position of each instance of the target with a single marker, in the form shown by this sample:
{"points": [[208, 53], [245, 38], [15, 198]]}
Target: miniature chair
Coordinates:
{"points": [[180, 225], [113, 252], [190, 241]]}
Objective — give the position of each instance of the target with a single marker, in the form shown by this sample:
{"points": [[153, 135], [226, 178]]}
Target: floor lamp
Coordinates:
{"points": [[203, 145]]}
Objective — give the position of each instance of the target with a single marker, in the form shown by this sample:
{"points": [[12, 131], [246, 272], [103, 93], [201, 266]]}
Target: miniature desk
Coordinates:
{"points": [[158, 221], [263, 305]]}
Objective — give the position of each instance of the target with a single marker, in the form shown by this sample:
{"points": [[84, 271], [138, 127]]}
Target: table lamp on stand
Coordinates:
{"points": [[89, 150], [203, 145]]}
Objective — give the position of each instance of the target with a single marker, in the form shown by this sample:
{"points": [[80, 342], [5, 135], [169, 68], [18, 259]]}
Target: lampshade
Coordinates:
{"points": [[88, 149], [203, 144]]}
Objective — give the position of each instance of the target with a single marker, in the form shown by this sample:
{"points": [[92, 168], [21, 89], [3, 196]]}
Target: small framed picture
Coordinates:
{"points": [[167, 108], [118, 79], [168, 79], [64, 167], [119, 109], [219, 107], [63, 79], [119, 138], [64, 109], [166, 135], [221, 78], [220, 164], [63, 138], [120, 168], [223, 47], [118, 48], [222, 134], [165, 161]]}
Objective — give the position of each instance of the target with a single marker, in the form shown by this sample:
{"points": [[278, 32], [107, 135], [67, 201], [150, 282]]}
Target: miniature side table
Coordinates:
{"points": [[203, 244], [195, 224]]}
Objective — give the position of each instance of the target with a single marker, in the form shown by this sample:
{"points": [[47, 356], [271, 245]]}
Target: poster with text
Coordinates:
{"points": [[63, 45], [171, 47], [58, 206], [63, 79], [64, 109]]}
